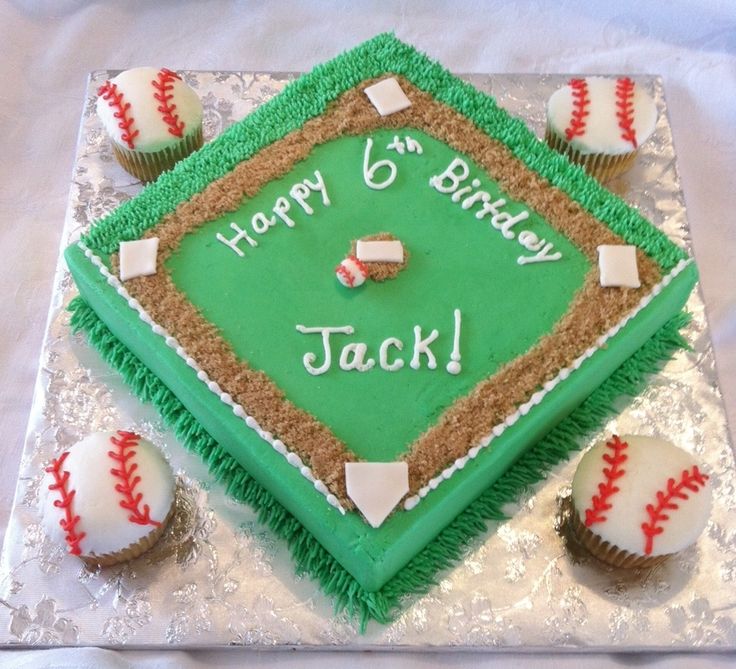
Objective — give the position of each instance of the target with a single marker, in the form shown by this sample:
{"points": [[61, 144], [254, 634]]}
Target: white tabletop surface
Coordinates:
{"points": [[49, 46]]}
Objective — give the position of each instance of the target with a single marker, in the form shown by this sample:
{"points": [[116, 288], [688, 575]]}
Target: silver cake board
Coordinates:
{"points": [[220, 579]]}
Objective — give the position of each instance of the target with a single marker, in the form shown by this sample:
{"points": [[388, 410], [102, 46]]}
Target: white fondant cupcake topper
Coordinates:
{"points": [[602, 115], [146, 109], [106, 493], [642, 495]]}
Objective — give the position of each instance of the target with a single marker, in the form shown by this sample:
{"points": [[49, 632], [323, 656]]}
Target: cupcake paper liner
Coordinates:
{"points": [[130, 552], [599, 165], [607, 552], [148, 166]]}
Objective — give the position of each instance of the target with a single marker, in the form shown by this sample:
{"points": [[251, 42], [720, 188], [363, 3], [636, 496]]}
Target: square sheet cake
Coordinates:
{"points": [[379, 413]]}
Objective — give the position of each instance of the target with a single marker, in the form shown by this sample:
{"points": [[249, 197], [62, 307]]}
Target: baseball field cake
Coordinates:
{"points": [[379, 307]]}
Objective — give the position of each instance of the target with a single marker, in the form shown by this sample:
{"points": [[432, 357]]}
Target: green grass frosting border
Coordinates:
{"points": [[421, 573], [309, 96]]}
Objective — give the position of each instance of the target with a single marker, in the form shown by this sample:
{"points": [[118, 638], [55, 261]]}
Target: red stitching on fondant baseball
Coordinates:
{"points": [[131, 501], [341, 269], [69, 522], [600, 503], [580, 102], [625, 113], [360, 265], [164, 85], [109, 92], [674, 490]]}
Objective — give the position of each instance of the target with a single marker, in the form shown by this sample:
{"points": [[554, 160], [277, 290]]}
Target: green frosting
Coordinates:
{"points": [[375, 566], [457, 261]]}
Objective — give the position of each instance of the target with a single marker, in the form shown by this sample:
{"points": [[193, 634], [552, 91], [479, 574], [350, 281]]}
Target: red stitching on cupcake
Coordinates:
{"points": [[69, 522], [600, 502], [109, 92], [128, 482], [625, 113], [580, 102], [689, 480], [164, 85]]}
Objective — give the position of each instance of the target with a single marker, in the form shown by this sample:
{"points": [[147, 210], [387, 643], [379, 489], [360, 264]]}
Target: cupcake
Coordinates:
{"points": [[600, 123], [153, 119], [637, 500], [108, 498]]}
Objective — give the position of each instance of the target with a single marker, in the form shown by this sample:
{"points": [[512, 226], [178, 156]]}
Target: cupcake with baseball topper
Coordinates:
{"points": [[637, 500], [600, 123], [108, 498], [152, 118]]}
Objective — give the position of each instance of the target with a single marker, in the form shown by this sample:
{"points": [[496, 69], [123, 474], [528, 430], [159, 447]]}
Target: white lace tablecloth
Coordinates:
{"points": [[49, 46]]}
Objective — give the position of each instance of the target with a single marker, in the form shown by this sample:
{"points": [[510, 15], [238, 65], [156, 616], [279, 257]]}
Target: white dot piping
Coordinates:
{"points": [[537, 397], [292, 458]]}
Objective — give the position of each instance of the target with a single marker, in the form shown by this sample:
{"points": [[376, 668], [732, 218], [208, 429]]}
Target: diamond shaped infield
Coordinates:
{"points": [[457, 262], [254, 254]]}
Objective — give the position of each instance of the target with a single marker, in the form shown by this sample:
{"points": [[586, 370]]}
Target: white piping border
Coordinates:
{"points": [[537, 397], [292, 458]]}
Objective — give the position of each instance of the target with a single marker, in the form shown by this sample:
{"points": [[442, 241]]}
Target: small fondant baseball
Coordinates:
{"points": [[152, 117], [639, 499], [108, 498], [351, 272], [600, 122]]}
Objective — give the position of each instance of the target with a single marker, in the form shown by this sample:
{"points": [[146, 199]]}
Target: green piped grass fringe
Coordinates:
{"points": [[422, 571], [309, 96]]}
